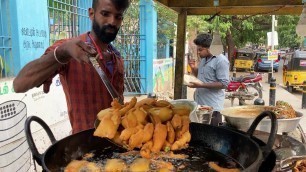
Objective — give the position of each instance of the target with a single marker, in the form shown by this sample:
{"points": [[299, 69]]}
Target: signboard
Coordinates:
{"points": [[273, 55], [163, 75], [275, 38], [302, 62]]}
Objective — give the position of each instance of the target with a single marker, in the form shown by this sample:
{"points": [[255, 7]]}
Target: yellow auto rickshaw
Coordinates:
{"points": [[294, 70], [244, 60]]}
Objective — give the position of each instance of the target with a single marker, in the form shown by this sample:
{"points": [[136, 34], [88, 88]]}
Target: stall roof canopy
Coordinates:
{"points": [[236, 7]]}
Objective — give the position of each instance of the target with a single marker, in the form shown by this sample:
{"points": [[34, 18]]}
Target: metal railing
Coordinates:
{"points": [[68, 18], [129, 47], [6, 59]]}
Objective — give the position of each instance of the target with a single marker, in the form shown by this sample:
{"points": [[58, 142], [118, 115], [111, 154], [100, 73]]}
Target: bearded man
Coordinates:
{"points": [[85, 93]]}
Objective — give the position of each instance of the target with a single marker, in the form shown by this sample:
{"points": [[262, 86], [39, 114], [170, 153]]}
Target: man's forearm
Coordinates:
{"points": [[35, 73], [213, 85]]}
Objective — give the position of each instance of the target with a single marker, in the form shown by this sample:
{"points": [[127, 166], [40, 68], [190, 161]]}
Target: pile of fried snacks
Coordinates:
{"points": [[150, 125], [282, 110]]}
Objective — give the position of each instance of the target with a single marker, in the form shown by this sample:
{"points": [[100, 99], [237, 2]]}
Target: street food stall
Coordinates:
{"points": [[163, 139], [176, 143]]}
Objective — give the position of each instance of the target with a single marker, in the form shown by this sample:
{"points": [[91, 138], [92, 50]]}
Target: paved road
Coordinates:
{"points": [[279, 79]]}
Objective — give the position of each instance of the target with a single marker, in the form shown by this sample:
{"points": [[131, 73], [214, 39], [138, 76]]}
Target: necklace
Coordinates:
{"points": [[108, 64], [98, 48]]}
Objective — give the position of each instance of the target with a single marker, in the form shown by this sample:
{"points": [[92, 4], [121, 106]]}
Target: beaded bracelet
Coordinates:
{"points": [[54, 53]]}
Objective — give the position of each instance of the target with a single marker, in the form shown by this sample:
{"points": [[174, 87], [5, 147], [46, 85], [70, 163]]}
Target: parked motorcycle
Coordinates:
{"points": [[245, 88]]}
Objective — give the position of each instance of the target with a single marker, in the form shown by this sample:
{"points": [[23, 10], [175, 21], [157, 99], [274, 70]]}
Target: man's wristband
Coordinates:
{"points": [[55, 57]]}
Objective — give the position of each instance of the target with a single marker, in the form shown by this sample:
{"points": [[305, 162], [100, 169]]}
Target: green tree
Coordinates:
{"points": [[235, 30], [130, 23], [195, 25], [287, 36], [198, 23], [243, 30], [166, 24]]}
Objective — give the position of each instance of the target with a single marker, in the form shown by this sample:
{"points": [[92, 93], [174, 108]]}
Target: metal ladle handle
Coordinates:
{"points": [[110, 88], [273, 131]]}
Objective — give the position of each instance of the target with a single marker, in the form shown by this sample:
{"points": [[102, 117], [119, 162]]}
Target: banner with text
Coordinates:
{"points": [[273, 55]]}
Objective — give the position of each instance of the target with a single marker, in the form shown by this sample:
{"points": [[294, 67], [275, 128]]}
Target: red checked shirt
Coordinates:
{"points": [[85, 92]]}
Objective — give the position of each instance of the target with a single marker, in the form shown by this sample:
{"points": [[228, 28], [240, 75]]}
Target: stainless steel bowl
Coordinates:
{"points": [[241, 117], [204, 116]]}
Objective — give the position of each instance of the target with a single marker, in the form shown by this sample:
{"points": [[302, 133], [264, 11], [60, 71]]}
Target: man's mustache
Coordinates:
{"points": [[110, 27]]}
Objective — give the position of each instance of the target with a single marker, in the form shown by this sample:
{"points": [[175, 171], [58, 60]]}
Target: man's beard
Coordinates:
{"points": [[102, 34]]}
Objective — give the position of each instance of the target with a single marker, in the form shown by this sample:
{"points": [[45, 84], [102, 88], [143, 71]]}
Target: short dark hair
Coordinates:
{"points": [[119, 4], [203, 39]]}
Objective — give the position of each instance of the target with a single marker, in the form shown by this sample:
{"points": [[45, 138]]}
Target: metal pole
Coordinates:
{"points": [[269, 76], [272, 41], [252, 70], [272, 92], [234, 72]]}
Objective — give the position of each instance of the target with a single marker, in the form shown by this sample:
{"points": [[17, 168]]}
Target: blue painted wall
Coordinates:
{"points": [[5, 42], [30, 31], [148, 47]]}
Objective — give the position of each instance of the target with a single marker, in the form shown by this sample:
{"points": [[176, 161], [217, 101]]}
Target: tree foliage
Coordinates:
{"points": [[248, 29], [166, 24], [242, 28], [286, 31], [198, 23], [130, 24]]}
